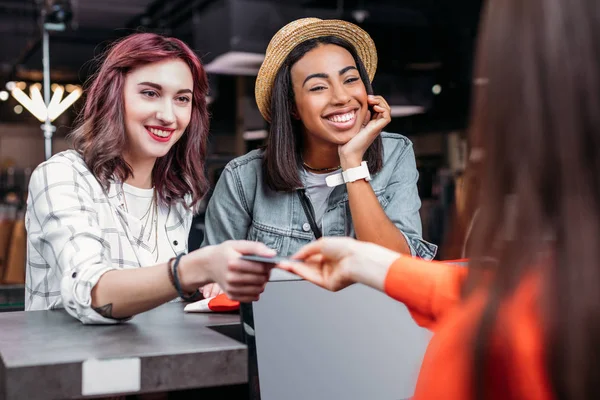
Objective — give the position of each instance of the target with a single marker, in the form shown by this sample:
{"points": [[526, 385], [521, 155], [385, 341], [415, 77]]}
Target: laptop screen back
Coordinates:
{"points": [[354, 344]]}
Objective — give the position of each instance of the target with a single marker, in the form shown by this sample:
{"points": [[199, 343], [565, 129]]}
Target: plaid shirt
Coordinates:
{"points": [[76, 232]]}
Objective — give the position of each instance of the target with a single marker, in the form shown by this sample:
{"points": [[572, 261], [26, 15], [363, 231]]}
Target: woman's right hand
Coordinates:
{"points": [[241, 280], [336, 263]]}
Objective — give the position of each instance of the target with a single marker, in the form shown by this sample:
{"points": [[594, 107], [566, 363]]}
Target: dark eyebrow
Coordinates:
{"points": [[325, 76], [346, 69], [320, 75], [158, 87]]}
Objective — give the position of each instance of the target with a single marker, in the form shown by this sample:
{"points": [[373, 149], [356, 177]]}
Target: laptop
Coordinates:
{"points": [[308, 343]]}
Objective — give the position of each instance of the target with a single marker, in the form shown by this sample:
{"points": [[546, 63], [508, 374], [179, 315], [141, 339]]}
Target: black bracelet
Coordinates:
{"points": [[194, 296], [170, 270]]}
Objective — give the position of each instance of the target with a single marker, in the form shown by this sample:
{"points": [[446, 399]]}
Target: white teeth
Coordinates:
{"points": [[158, 132], [342, 117]]}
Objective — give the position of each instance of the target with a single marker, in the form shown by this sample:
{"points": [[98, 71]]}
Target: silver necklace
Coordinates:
{"points": [[151, 217]]}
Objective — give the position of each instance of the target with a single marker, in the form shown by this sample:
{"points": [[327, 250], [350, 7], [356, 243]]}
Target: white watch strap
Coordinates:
{"points": [[350, 175], [334, 180], [354, 174]]}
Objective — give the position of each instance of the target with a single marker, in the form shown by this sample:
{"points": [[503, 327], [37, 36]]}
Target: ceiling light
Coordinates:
{"points": [[236, 63], [18, 109], [34, 103], [66, 103], [360, 15], [404, 111], [3, 95], [255, 135]]}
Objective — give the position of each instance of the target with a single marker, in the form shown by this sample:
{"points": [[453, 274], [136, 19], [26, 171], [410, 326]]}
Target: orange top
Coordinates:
{"points": [[431, 292]]}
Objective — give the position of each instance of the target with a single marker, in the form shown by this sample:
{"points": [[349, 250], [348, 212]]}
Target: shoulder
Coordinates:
{"points": [[247, 162], [62, 168], [64, 161], [395, 140], [242, 176], [395, 146], [247, 169]]}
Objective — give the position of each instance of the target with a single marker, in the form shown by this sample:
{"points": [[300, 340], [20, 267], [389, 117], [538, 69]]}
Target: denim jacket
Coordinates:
{"points": [[243, 207]]}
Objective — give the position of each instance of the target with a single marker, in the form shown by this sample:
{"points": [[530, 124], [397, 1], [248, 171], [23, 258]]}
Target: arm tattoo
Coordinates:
{"points": [[105, 311]]}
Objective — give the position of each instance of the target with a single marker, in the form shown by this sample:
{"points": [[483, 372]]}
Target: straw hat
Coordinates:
{"points": [[298, 31]]}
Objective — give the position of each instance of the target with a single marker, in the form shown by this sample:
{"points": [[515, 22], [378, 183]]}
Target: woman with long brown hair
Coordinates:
{"points": [[124, 197], [523, 320]]}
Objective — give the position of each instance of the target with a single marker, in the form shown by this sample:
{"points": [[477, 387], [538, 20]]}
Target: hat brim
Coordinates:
{"points": [[277, 51]]}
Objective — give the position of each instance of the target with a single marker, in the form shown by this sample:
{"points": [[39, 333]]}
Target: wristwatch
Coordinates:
{"points": [[349, 175], [354, 174]]}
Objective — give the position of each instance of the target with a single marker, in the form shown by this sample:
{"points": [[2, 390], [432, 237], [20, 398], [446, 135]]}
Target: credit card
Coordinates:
{"points": [[267, 260]]}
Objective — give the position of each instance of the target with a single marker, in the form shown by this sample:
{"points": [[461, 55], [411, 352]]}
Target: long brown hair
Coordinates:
{"points": [[538, 120], [100, 135]]}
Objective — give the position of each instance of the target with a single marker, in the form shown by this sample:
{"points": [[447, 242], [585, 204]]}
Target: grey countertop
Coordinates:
{"points": [[42, 352]]}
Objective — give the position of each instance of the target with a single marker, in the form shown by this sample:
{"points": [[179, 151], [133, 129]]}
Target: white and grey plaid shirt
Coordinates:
{"points": [[76, 232]]}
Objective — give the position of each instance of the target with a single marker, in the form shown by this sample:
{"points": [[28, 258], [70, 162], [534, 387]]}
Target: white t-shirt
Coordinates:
{"points": [[318, 192], [138, 205]]}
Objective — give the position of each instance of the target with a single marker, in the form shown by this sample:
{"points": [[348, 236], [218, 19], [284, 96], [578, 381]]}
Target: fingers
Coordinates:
{"points": [[329, 247], [249, 267], [211, 290], [315, 259], [246, 293], [207, 290], [312, 261], [309, 272], [216, 290], [309, 250], [379, 109], [247, 273], [235, 279], [249, 247], [243, 286], [380, 106], [377, 100]]}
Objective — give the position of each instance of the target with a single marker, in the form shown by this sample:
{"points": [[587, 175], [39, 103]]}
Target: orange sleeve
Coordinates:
{"points": [[428, 289]]}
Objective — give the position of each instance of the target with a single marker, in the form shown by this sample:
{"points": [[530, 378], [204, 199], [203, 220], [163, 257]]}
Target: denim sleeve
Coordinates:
{"points": [[404, 204], [227, 216]]}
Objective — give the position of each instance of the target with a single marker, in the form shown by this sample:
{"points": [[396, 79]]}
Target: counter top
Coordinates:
{"points": [[176, 350]]}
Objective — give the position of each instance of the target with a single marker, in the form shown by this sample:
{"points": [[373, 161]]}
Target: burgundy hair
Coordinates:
{"points": [[100, 135]]}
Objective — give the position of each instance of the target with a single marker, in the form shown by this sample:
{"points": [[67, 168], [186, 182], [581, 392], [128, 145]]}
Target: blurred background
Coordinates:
{"points": [[425, 50]]}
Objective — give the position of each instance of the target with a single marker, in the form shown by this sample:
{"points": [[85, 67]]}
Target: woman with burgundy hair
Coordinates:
{"points": [[108, 222]]}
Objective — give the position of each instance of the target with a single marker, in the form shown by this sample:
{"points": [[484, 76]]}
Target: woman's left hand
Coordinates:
{"points": [[351, 153], [211, 290]]}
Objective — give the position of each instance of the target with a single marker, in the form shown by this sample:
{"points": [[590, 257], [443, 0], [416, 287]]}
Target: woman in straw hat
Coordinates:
{"points": [[327, 168]]}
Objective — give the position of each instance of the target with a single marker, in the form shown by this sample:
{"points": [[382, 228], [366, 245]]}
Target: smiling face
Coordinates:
{"points": [[158, 107], [330, 97]]}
